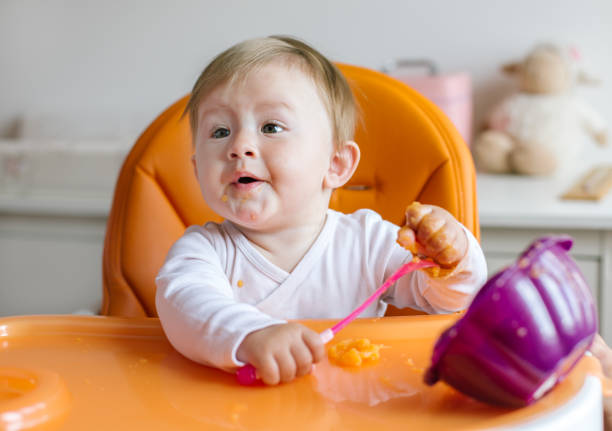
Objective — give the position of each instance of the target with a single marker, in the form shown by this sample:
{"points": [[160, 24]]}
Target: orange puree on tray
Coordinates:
{"points": [[354, 352]]}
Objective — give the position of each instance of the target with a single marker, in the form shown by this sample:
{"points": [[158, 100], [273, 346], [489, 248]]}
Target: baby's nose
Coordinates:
{"points": [[239, 154], [242, 147]]}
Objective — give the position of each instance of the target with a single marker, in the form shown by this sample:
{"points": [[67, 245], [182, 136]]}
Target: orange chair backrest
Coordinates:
{"points": [[410, 151]]}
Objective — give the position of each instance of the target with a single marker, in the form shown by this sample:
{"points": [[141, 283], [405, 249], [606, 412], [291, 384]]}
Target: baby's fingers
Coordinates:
{"points": [[303, 359], [448, 246], [415, 213], [432, 234], [268, 371], [407, 239], [314, 344], [449, 256], [286, 366], [601, 351]]}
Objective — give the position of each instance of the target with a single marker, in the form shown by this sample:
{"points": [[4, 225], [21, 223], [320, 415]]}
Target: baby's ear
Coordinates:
{"points": [[342, 165]]}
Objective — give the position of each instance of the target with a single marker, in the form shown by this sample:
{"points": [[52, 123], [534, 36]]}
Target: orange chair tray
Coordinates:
{"points": [[108, 373]]}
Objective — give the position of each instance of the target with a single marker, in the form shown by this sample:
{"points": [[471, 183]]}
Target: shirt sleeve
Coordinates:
{"points": [[196, 305], [436, 295]]}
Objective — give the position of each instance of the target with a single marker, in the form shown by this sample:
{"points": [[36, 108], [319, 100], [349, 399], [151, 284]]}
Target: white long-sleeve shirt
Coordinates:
{"points": [[215, 288]]}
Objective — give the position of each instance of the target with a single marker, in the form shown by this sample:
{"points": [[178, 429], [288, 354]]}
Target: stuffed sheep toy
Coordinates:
{"points": [[540, 129]]}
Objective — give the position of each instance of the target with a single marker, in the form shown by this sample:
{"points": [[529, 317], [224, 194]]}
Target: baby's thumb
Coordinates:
{"points": [[407, 239]]}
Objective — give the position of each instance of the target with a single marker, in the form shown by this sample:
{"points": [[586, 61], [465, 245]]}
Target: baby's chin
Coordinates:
{"points": [[251, 216], [248, 218]]}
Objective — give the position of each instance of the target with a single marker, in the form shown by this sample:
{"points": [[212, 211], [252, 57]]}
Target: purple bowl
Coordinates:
{"points": [[524, 331]]}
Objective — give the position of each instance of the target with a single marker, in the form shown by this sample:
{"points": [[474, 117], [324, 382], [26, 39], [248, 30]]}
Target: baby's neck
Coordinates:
{"points": [[286, 247]]}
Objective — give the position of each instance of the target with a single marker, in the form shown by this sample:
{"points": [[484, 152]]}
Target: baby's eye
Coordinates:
{"points": [[271, 128], [219, 133]]}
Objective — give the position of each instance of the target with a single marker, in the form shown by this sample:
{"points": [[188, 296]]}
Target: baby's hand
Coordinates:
{"points": [[434, 232], [601, 351], [280, 353]]}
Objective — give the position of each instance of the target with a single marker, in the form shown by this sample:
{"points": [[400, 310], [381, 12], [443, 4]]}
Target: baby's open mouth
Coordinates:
{"points": [[247, 180]]}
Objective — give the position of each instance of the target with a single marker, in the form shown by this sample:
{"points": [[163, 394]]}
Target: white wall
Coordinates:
{"points": [[132, 58]]}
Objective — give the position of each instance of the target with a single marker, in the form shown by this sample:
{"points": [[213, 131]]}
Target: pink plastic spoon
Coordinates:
{"points": [[246, 375]]}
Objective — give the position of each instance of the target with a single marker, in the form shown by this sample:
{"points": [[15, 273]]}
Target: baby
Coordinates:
{"points": [[272, 123], [603, 352]]}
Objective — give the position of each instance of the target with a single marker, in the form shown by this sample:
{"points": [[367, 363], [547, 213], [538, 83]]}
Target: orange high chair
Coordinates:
{"points": [[410, 151]]}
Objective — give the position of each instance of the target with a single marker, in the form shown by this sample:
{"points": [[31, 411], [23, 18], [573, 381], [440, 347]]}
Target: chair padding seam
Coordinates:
{"points": [[163, 192]]}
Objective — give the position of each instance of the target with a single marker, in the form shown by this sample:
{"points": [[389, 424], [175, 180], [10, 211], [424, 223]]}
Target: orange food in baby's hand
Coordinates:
{"points": [[354, 352], [433, 271], [406, 238]]}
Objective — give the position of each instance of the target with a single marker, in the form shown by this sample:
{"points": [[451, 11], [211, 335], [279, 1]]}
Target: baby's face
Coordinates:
{"points": [[263, 149]]}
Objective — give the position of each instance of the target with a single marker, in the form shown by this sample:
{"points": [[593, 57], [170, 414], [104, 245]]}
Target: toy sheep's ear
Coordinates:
{"points": [[584, 78], [512, 68]]}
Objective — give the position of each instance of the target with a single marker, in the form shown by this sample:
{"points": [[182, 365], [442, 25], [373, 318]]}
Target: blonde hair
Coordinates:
{"points": [[237, 61]]}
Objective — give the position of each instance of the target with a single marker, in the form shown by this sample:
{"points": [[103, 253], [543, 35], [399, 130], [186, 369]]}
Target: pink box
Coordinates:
{"points": [[450, 92]]}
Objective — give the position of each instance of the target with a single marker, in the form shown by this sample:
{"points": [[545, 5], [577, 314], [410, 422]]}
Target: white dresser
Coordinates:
{"points": [[515, 210], [51, 253]]}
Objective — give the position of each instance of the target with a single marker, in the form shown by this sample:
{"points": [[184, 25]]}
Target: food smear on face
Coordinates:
{"points": [[354, 352], [245, 197], [224, 198]]}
